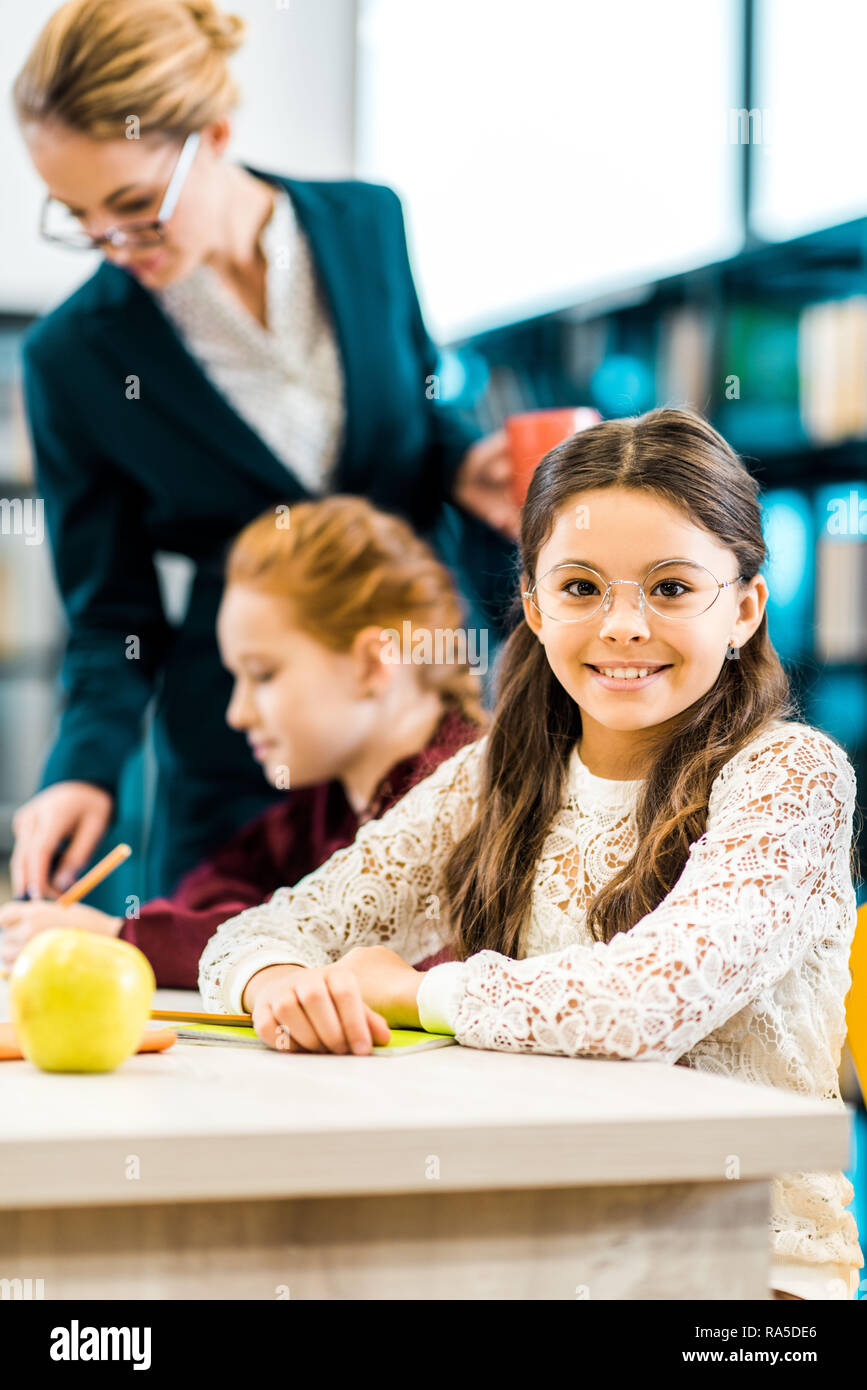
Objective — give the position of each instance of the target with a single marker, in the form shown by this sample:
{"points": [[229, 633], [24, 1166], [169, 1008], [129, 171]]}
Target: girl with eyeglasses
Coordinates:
{"points": [[648, 856], [249, 339]]}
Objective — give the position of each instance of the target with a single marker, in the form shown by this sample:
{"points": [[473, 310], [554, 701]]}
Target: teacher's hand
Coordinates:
{"points": [[483, 484], [75, 810]]}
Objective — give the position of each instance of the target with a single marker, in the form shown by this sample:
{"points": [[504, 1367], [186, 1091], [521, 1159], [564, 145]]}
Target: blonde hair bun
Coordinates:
{"points": [[96, 61], [225, 31]]}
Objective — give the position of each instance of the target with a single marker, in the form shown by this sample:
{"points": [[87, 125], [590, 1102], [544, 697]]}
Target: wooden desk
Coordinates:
{"points": [[232, 1173]]}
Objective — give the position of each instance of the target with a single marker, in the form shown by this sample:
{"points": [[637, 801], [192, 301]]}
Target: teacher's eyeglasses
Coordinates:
{"points": [[58, 224], [676, 589]]}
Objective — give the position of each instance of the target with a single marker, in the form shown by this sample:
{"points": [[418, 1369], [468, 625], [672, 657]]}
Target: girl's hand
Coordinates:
{"points": [[334, 1008], [75, 810], [387, 983], [320, 1009], [22, 921], [483, 484]]}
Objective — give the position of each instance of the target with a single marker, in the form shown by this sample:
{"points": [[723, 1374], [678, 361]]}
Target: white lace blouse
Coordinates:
{"points": [[286, 381], [741, 971]]}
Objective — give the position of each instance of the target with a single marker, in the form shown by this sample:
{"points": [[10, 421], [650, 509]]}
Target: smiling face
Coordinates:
{"points": [[628, 533], [300, 705], [107, 183]]}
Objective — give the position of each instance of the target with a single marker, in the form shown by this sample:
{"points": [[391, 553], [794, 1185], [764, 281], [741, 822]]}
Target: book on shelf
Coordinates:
{"points": [[758, 390], [684, 358], [16, 466], [832, 369], [31, 617], [841, 599]]}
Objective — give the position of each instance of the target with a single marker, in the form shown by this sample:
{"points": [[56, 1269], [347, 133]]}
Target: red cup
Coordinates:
{"points": [[532, 433]]}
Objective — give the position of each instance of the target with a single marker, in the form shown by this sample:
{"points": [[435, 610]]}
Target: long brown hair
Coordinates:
{"points": [[676, 456], [343, 565]]}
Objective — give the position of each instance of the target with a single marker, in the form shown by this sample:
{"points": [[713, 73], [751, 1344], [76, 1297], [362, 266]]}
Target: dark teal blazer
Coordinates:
{"points": [[178, 470]]}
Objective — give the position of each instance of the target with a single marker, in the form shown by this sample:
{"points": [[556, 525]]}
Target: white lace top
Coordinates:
{"points": [[286, 381], [741, 971]]}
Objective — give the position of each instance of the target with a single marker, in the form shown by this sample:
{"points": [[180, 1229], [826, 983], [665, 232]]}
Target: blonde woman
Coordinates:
{"points": [[310, 625], [248, 339]]}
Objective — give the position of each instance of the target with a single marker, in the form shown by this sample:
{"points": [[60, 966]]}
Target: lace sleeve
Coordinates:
{"points": [[383, 889], [768, 879]]}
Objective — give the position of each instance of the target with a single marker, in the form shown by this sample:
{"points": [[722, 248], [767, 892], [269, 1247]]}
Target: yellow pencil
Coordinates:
{"points": [[178, 1016], [88, 881]]}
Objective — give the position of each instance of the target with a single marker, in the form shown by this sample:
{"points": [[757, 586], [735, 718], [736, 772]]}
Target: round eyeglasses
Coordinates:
{"points": [[58, 224], [678, 589]]}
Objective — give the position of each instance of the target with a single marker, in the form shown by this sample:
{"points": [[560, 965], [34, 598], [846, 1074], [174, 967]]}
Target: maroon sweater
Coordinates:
{"points": [[279, 847]]}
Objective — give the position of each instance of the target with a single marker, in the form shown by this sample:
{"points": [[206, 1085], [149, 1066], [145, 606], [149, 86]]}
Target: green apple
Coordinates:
{"points": [[79, 1002]]}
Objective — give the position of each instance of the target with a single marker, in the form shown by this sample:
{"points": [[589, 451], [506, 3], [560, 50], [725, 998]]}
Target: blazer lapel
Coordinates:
{"points": [[342, 234], [128, 325]]}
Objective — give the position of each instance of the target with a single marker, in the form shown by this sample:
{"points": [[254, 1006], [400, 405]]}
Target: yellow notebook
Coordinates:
{"points": [[401, 1042]]}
